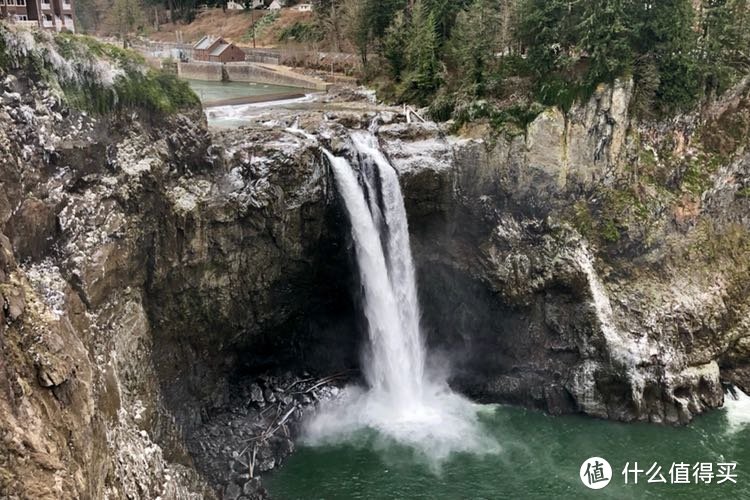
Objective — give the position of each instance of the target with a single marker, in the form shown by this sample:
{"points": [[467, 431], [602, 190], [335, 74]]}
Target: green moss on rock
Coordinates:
{"points": [[94, 76]]}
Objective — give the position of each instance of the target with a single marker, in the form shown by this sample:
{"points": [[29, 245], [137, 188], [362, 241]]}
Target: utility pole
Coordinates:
{"points": [[252, 15]]}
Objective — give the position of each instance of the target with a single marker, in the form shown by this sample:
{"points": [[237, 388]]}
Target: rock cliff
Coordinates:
{"points": [[149, 266], [592, 265]]}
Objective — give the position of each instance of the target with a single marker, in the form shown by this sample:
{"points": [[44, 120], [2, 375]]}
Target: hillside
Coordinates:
{"points": [[235, 26]]}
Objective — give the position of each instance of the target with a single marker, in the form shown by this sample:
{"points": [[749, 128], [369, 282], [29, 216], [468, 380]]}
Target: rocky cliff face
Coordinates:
{"points": [[145, 266], [148, 267], [592, 265]]}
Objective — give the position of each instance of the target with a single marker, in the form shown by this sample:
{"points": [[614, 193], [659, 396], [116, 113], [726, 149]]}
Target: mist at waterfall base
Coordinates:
{"points": [[405, 402]]}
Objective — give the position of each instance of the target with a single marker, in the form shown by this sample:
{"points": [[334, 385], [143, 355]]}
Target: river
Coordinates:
{"points": [[540, 458]]}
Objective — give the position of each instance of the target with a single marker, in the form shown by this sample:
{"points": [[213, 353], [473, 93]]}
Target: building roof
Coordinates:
{"points": [[220, 48], [204, 43]]}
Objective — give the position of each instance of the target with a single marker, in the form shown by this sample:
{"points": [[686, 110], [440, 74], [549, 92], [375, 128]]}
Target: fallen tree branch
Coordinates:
{"points": [[322, 381]]}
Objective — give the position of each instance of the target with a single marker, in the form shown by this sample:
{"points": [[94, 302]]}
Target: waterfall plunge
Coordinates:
{"points": [[737, 410], [403, 402]]}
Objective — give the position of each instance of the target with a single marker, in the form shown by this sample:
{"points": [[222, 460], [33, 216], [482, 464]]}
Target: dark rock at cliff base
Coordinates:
{"points": [[253, 489], [232, 492], [256, 394]]}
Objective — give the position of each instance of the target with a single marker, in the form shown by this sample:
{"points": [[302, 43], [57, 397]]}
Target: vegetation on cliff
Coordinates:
{"points": [[91, 75], [516, 52]]}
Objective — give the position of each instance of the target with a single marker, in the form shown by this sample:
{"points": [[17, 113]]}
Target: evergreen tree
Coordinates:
{"points": [[664, 31], [476, 43], [366, 22], [606, 40], [444, 12], [724, 42], [548, 29], [421, 53], [380, 14], [394, 46]]}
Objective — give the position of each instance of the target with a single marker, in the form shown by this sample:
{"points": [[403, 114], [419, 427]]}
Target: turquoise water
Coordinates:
{"points": [[215, 91], [540, 458]]}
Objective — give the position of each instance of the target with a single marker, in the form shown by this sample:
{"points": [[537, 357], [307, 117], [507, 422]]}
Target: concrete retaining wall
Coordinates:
{"points": [[250, 72], [164, 49], [262, 56], [200, 71]]}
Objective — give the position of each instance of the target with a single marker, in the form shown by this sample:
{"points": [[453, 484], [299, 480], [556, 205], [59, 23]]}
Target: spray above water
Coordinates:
{"points": [[737, 410], [403, 401]]}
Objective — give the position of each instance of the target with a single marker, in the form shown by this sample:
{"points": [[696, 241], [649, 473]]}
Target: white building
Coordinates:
{"points": [[304, 7], [231, 5], [275, 5]]}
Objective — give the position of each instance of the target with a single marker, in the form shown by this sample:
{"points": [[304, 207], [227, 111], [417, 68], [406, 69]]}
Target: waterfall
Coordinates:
{"points": [[394, 367], [737, 409], [602, 304], [625, 352], [399, 259], [403, 401]]}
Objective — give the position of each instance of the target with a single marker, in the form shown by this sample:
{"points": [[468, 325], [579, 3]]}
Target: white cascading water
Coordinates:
{"points": [[737, 410], [399, 260], [626, 352], [402, 402]]}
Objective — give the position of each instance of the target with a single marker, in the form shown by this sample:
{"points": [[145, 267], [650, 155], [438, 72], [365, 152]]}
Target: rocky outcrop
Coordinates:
{"points": [[146, 266], [159, 280], [552, 276]]}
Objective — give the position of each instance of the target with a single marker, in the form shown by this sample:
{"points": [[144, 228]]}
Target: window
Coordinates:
{"points": [[11, 2], [21, 3], [22, 17]]}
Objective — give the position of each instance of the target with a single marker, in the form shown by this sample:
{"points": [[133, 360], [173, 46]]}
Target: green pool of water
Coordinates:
{"points": [[216, 91], [540, 458]]}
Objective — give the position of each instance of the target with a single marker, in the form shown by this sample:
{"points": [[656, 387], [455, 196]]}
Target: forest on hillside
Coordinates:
{"points": [[503, 59], [498, 57]]}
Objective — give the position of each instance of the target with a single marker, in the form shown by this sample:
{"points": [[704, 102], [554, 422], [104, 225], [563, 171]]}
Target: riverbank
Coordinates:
{"points": [[255, 431]]}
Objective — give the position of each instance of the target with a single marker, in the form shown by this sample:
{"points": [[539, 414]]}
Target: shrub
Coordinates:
{"points": [[302, 32]]}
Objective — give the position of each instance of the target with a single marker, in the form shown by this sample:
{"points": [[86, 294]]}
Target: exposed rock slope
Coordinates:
{"points": [[139, 264], [591, 265]]}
